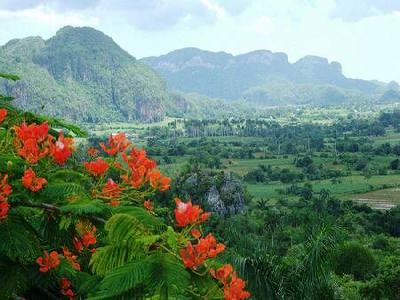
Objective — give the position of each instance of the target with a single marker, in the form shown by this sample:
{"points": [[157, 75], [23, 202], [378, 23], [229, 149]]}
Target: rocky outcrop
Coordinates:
{"points": [[220, 193]]}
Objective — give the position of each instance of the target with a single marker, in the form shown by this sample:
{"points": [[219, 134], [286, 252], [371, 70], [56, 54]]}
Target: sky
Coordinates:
{"points": [[363, 35]]}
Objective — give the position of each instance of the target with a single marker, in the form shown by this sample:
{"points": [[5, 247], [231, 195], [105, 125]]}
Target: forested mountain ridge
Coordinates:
{"points": [[263, 77], [82, 74]]}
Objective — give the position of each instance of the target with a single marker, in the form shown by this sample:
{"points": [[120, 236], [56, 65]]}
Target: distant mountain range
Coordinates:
{"points": [[81, 74], [265, 78]]}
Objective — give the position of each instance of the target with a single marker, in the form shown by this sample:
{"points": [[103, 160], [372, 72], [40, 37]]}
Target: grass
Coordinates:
{"points": [[381, 199]]}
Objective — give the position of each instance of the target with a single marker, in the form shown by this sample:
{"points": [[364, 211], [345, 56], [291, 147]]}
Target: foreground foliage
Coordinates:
{"points": [[81, 225]]}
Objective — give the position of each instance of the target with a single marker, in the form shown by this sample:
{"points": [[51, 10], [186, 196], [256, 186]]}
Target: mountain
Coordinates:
{"points": [[262, 77], [82, 74]]}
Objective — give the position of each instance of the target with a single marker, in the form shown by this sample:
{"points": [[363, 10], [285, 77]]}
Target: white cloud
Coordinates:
{"points": [[51, 17]]}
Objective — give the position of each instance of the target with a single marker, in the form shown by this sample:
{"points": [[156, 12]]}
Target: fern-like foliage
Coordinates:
{"points": [[19, 240]]}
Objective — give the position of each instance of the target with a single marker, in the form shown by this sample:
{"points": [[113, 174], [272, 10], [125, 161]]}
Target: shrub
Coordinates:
{"points": [[354, 259]]}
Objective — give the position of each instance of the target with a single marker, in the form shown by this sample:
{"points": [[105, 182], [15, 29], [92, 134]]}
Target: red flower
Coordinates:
{"points": [[3, 114], [89, 238], [187, 213], [195, 255], [86, 238], [117, 143], [92, 151], [32, 141], [32, 182], [77, 244], [233, 286], [137, 178], [111, 189], [148, 205], [48, 262], [5, 188], [138, 158], [195, 233], [4, 207], [5, 191], [65, 286], [158, 181], [222, 274], [235, 290], [71, 258], [62, 149], [97, 168], [115, 202]]}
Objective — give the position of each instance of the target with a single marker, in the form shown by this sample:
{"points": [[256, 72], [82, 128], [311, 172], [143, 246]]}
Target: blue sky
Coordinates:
{"points": [[361, 34]]}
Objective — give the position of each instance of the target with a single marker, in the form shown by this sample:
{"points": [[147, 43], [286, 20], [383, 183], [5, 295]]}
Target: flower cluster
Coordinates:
{"points": [[33, 142], [5, 191], [143, 169], [97, 168], [194, 256], [61, 149], [233, 286], [32, 182], [86, 237], [187, 213], [112, 191], [116, 143], [48, 262], [71, 258], [3, 114], [65, 288]]}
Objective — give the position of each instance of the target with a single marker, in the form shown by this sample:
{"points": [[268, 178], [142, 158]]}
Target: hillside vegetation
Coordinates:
{"points": [[82, 74]]}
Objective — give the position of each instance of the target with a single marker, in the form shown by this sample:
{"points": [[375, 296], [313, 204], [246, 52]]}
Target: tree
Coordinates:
{"points": [[354, 259], [90, 230]]}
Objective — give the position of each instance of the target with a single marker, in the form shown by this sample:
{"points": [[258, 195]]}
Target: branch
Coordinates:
{"points": [[52, 208]]}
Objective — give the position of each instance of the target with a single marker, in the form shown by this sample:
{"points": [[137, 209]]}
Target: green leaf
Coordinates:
{"points": [[9, 76], [18, 240]]}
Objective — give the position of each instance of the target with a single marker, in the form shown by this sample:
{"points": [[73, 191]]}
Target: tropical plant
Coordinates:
{"points": [[83, 225]]}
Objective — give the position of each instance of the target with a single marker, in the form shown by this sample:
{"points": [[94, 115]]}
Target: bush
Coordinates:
{"points": [[354, 259]]}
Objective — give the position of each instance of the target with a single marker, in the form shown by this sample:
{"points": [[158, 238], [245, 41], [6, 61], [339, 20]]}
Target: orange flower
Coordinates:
{"points": [[115, 202], [148, 205], [116, 143], [223, 273], [48, 262], [233, 286], [3, 114], [71, 258], [86, 238], [97, 168], [4, 207], [138, 158], [158, 181], [235, 290], [195, 255], [92, 151], [32, 141], [137, 178], [62, 149], [187, 213], [111, 189], [32, 182], [65, 286]]}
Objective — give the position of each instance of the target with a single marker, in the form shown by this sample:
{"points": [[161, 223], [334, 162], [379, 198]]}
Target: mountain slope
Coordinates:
{"points": [[82, 74], [261, 76]]}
